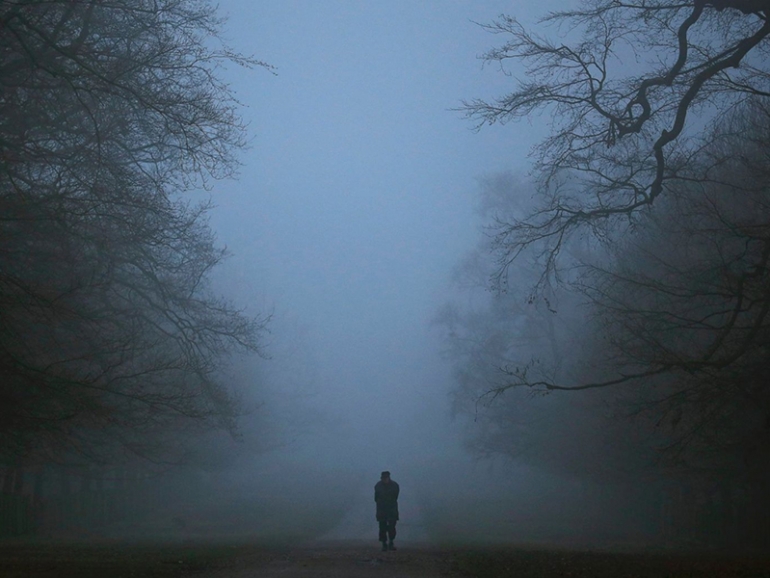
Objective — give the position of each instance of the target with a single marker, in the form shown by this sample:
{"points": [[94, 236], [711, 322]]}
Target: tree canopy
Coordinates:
{"points": [[628, 88], [110, 334], [651, 204]]}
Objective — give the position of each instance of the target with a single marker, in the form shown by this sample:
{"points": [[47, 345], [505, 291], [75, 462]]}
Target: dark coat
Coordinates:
{"points": [[386, 497]]}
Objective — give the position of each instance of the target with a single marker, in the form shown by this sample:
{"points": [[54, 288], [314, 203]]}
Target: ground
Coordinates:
{"points": [[343, 560], [359, 559]]}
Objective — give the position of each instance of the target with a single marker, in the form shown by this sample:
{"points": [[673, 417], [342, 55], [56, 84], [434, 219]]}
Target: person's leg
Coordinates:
{"points": [[391, 534], [384, 533]]}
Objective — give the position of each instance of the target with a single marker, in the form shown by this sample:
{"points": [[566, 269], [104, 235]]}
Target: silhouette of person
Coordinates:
{"points": [[386, 498]]}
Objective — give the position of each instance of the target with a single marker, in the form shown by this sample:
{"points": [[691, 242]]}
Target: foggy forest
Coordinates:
{"points": [[254, 255]]}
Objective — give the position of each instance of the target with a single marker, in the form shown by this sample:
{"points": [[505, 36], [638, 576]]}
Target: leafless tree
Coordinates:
{"points": [[489, 336], [110, 334], [628, 91], [681, 305]]}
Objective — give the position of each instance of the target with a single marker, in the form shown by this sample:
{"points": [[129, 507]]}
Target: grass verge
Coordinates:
{"points": [[509, 562], [114, 560]]}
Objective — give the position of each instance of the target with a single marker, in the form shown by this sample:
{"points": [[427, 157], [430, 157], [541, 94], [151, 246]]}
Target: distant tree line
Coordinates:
{"points": [[627, 333], [112, 341]]}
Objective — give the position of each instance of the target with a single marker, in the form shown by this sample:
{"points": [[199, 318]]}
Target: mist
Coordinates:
{"points": [[362, 229], [351, 211]]}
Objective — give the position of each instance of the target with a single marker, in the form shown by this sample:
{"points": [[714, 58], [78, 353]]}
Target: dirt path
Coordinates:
{"points": [[340, 560], [346, 559]]}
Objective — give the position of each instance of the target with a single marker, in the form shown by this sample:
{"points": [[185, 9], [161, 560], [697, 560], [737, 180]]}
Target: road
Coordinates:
{"points": [[351, 550], [347, 559], [359, 522]]}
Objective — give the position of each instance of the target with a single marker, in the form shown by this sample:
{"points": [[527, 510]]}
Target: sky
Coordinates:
{"points": [[356, 199]]}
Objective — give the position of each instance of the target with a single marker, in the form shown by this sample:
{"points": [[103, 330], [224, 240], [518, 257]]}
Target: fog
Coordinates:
{"points": [[360, 232], [352, 208]]}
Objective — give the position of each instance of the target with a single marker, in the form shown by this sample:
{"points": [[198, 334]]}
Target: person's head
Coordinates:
{"points": [[385, 477]]}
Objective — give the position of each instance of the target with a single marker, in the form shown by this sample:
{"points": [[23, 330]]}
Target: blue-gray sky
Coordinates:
{"points": [[357, 195]]}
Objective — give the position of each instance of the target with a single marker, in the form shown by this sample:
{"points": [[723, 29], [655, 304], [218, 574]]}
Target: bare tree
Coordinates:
{"points": [[627, 98], [681, 305], [489, 336], [110, 335]]}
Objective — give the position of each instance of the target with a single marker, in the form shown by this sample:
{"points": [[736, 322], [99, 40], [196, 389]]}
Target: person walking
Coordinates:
{"points": [[386, 497]]}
